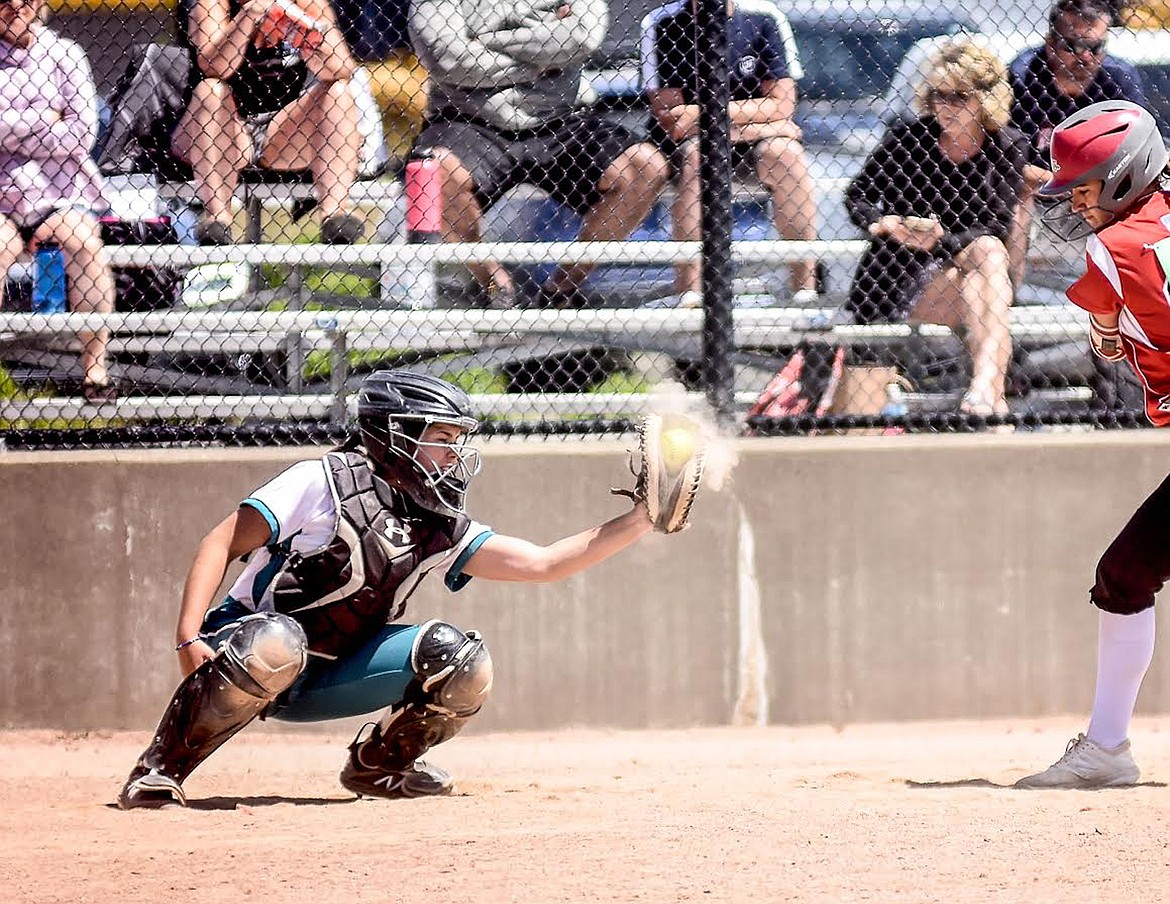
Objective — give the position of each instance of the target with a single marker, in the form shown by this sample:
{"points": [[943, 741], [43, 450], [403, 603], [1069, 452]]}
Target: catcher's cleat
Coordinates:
{"points": [[417, 780], [151, 790]]}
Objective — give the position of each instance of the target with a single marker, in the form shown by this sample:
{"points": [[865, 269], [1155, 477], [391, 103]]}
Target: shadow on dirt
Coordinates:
{"points": [[237, 803], [987, 783]]}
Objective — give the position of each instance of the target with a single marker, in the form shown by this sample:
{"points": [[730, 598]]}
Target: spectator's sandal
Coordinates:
{"points": [[342, 229], [500, 297], [99, 393]]}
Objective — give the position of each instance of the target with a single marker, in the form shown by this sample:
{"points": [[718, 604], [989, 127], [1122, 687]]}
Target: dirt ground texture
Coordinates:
{"points": [[892, 812]]}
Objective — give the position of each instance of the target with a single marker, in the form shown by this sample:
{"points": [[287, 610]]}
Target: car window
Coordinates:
{"points": [[1156, 80], [842, 64]]}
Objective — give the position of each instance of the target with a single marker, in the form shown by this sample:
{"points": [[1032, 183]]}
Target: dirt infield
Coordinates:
{"points": [[908, 812]]}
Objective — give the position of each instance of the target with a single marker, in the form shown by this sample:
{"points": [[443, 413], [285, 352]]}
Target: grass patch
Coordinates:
{"points": [[319, 362], [338, 282], [478, 380], [9, 388], [623, 383]]}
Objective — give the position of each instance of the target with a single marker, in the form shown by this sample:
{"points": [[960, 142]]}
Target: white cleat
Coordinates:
{"points": [[1087, 765], [151, 790]]}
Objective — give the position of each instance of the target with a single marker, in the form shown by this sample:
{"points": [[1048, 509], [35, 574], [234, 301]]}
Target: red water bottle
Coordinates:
{"points": [[424, 198]]}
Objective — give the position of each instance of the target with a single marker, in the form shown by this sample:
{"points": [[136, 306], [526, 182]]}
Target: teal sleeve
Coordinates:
{"points": [[455, 579], [266, 513]]}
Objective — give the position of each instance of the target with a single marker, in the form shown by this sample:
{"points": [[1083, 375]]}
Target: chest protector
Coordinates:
{"points": [[361, 579]]}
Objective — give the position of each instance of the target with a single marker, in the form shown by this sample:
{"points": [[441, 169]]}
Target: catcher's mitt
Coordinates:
{"points": [[669, 468]]}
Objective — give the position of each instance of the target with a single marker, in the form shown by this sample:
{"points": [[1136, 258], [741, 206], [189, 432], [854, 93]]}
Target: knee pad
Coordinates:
{"points": [[261, 659], [453, 677], [454, 669], [270, 650]]}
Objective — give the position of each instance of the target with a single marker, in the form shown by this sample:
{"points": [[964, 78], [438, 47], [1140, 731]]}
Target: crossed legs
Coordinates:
{"points": [[975, 293]]}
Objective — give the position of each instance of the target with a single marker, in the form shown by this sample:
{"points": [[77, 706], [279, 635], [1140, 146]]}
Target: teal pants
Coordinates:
{"points": [[370, 679]]}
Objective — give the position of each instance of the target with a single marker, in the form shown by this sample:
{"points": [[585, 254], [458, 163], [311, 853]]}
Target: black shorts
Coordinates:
{"points": [[743, 157], [889, 280], [27, 232], [567, 159]]}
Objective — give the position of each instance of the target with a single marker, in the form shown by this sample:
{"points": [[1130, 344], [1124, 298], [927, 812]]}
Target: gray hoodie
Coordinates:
{"points": [[513, 63]]}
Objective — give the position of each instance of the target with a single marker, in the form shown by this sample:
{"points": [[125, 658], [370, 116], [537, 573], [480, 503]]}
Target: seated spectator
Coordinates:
{"points": [[273, 95], [939, 195], [763, 66], [50, 189], [1070, 71], [505, 108]]}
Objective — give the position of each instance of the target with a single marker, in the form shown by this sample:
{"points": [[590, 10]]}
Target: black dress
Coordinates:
{"points": [[908, 175]]}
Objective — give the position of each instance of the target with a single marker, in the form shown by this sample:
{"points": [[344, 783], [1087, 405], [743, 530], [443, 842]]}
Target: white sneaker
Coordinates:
{"points": [[1087, 765]]}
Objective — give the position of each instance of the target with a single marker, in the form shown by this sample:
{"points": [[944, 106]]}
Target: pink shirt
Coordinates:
{"points": [[48, 124]]}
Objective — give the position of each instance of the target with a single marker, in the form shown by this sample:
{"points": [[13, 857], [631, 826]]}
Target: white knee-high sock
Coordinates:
{"points": [[1125, 648]]}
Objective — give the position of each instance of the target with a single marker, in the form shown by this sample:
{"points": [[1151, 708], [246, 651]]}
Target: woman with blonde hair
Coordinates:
{"points": [[938, 196]]}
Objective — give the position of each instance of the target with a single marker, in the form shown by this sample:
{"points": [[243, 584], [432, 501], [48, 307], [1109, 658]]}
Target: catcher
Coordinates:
{"points": [[334, 549]]}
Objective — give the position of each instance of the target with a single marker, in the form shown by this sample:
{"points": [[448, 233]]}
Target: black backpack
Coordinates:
{"points": [[147, 103]]}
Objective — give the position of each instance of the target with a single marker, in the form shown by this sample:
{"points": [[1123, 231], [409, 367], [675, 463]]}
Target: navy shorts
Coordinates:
{"points": [[567, 159], [743, 156]]}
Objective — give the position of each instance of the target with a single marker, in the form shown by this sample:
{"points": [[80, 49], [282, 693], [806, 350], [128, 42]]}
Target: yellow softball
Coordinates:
{"points": [[677, 447]]}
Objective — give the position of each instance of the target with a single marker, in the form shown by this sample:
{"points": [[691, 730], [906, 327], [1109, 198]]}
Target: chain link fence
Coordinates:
{"points": [[217, 217]]}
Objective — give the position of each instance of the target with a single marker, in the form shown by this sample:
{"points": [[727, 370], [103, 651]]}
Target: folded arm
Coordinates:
{"points": [[48, 133], [220, 41], [445, 45], [557, 34]]}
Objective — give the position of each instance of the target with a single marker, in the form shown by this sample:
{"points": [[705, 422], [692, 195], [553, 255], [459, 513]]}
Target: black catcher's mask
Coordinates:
{"points": [[395, 407]]}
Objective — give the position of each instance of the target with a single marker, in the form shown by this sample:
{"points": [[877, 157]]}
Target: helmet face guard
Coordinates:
{"points": [[1115, 142], [443, 469], [1059, 218], [395, 409]]}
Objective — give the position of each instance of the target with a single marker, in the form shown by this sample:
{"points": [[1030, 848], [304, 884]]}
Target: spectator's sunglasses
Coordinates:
{"points": [[1079, 45], [949, 98], [17, 4]]}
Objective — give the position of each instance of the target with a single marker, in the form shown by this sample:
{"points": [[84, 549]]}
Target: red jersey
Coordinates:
{"points": [[1125, 277]]}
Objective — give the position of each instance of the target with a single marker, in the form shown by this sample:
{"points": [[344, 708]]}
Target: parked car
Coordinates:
{"points": [[849, 50], [1147, 50]]}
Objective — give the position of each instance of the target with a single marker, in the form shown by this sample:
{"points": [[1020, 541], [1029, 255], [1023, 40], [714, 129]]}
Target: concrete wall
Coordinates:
{"points": [[834, 580]]}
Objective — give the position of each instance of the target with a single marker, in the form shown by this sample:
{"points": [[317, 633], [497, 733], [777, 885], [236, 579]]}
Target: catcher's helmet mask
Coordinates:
{"points": [[395, 408], [1115, 142]]}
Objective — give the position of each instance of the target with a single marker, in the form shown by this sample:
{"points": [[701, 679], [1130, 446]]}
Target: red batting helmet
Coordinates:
{"points": [[1115, 141]]}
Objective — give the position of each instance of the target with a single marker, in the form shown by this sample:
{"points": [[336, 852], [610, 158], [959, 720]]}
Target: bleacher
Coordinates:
{"points": [[491, 338]]}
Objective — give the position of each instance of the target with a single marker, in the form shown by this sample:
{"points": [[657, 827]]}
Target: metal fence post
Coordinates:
{"points": [[338, 374], [715, 205]]}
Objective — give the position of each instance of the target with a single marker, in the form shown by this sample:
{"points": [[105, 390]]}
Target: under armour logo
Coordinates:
{"points": [[394, 540], [397, 531]]}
